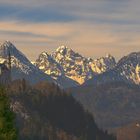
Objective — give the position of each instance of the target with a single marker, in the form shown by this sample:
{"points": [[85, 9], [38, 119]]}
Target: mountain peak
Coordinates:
{"points": [[103, 64], [6, 45], [109, 56], [62, 47], [46, 57], [131, 58], [64, 50], [21, 66], [45, 54]]}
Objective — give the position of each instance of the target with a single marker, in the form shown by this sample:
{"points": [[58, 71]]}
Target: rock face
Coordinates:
{"points": [[103, 64], [21, 66], [138, 74], [65, 62], [74, 65], [48, 65], [127, 69]]}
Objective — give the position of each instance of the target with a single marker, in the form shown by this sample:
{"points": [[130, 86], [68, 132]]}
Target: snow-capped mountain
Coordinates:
{"points": [[74, 65], [65, 62], [103, 64], [48, 65], [127, 69], [69, 68], [21, 66]]}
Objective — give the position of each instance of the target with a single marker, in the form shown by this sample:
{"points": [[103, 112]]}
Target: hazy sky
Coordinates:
{"points": [[91, 27]]}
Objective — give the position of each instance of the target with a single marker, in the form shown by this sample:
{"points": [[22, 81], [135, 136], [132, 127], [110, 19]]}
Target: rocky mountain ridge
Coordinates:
{"points": [[68, 68], [126, 70], [64, 61]]}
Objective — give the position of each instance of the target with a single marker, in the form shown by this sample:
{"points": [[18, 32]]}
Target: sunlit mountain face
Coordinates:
{"points": [[64, 61], [69, 69]]}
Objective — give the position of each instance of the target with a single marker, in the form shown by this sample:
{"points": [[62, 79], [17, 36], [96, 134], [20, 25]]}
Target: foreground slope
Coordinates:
{"points": [[113, 104], [45, 112], [129, 132]]}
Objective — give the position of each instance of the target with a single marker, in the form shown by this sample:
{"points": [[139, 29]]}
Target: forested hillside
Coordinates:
{"points": [[8, 129], [45, 112], [113, 104]]}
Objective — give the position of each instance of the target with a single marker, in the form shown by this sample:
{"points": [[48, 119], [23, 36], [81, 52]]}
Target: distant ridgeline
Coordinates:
{"points": [[5, 71], [68, 68]]}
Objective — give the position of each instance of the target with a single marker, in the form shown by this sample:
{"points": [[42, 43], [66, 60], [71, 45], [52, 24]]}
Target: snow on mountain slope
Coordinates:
{"points": [[69, 68], [48, 65], [65, 62], [74, 65], [103, 64], [138, 73], [127, 69], [21, 66]]}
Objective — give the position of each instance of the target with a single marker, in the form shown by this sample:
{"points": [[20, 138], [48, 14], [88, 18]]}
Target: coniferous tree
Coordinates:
{"points": [[7, 128]]}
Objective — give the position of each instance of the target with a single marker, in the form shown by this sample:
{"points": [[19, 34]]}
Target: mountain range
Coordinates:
{"points": [[65, 62], [68, 68], [85, 71], [127, 69]]}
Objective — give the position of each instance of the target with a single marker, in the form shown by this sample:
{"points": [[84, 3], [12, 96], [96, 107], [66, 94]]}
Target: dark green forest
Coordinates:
{"points": [[113, 104], [46, 112], [8, 129]]}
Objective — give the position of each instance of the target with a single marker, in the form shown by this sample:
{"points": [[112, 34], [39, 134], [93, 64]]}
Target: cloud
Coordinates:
{"points": [[34, 14], [92, 27], [89, 39], [119, 12]]}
